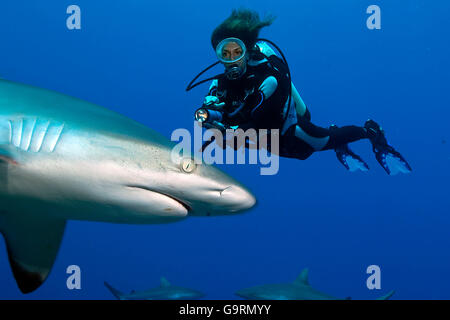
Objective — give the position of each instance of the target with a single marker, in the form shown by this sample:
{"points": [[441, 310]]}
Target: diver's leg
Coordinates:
{"points": [[321, 139], [343, 135], [292, 146], [306, 138]]}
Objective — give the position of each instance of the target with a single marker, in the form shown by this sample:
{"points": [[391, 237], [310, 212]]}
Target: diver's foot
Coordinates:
{"points": [[389, 158], [375, 132], [348, 158]]}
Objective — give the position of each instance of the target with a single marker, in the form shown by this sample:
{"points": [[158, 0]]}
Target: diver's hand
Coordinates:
{"points": [[213, 102], [215, 125], [210, 100]]}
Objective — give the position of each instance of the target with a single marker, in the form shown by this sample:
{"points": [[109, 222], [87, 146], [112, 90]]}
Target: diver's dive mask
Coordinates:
{"points": [[233, 54], [235, 61]]}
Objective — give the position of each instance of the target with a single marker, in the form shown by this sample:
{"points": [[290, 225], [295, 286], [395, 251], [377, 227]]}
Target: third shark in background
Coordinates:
{"points": [[300, 289]]}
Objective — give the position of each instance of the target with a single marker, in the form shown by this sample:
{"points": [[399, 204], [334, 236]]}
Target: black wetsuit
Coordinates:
{"points": [[263, 92]]}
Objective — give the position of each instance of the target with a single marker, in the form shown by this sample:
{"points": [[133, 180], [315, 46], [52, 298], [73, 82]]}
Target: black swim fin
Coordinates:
{"points": [[389, 158], [349, 159]]}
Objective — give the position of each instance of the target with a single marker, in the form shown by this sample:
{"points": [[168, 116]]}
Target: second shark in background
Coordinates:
{"points": [[165, 291]]}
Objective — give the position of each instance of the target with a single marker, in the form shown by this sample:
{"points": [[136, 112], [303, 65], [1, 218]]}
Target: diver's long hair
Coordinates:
{"points": [[244, 24]]}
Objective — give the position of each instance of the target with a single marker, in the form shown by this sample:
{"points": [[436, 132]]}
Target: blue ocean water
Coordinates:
{"points": [[136, 58]]}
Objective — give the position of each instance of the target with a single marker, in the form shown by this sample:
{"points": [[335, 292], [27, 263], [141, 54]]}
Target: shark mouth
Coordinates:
{"points": [[183, 204]]}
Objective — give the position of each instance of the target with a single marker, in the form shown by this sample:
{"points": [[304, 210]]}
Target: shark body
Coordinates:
{"points": [[62, 159], [300, 289], [165, 291]]}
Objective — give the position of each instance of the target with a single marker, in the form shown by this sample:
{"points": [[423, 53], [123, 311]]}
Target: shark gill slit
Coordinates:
{"points": [[59, 130], [40, 136], [10, 131], [16, 132], [51, 137], [27, 133]]}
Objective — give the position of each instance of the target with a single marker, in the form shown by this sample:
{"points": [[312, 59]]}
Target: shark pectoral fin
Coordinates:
{"points": [[32, 246], [164, 282]]}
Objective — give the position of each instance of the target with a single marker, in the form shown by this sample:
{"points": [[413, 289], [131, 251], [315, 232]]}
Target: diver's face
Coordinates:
{"points": [[234, 57], [232, 51]]}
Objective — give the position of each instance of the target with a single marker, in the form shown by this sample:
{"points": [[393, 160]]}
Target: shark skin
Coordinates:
{"points": [[165, 291], [62, 159], [300, 289]]}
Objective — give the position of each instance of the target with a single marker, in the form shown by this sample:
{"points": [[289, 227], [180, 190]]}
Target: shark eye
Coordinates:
{"points": [[188, 165]]}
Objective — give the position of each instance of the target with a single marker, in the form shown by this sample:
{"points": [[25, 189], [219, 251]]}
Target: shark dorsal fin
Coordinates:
{"points": [[302, 279], [164, 282]]}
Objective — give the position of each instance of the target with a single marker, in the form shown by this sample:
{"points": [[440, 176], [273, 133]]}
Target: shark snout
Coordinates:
{"points": [[229, 200], [236, 199]]}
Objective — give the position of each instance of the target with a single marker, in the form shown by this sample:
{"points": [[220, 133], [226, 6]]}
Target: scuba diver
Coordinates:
{"points": [[256, 91]]}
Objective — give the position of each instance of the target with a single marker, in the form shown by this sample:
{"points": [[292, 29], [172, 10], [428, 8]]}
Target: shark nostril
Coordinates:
{"points": [[221, 192], [237, 198]]}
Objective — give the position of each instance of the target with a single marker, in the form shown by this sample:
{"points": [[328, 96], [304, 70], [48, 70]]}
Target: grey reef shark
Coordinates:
{"points": [[62, 159], [300, 289], [165, 291]]}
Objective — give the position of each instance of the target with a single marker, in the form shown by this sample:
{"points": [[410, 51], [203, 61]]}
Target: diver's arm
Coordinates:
{"points": [[257, 100], [213, 88], [254, 108], [211, 99], [300, 106], [269, 86]]}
